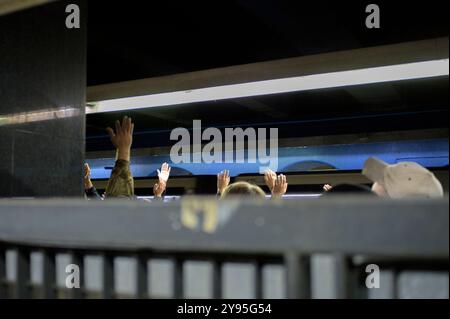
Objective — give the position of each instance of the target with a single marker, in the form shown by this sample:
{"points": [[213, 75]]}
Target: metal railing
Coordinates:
{"points": [[398, 235]]}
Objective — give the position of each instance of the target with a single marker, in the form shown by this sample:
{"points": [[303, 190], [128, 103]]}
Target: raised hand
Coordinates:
{"points": [[87, 177], [223, 180], [122, 137], [269, 178], [327, 187], [280, 187], [164, 173], [159, 188], [87, 171]]}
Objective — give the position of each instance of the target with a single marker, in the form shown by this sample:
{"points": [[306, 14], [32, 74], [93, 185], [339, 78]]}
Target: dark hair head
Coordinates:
{"points": [[343, 189]]}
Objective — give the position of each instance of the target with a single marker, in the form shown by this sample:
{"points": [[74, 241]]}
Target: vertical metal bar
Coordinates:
{"points": [[217, 279], [178, 292], [3, 281], [298, 276], [357, 282], [49, 275], [142, 276], [78, 259], [395, 290], [108, 277], [258, 280], [23, 289], [341, 277]]}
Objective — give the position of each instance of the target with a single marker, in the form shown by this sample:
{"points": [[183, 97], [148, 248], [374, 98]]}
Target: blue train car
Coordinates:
{"points": [[433, 153]]}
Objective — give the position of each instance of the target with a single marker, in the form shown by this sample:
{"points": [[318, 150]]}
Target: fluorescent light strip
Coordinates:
{"points": [[166, 198], [302, 195], [287, 196], [38, 116], [390, 73]]}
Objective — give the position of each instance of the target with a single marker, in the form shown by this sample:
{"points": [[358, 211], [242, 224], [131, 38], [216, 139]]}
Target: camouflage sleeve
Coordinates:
{"points": [[121, 182]]}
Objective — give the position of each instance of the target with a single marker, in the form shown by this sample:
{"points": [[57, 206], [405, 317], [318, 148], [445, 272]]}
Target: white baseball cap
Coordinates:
{"points": [[403, 180]]}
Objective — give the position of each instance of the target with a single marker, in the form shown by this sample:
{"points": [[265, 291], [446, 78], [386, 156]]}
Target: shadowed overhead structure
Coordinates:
{"points": [[388, 63], [150, 48], [10, 6]]}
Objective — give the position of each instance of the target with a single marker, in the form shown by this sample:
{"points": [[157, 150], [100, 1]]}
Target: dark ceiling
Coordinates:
{"points": [[143, 39], [137, 39]]}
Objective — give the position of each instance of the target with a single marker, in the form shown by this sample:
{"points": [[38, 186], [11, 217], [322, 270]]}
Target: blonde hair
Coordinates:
{"points": [[243, 189]]}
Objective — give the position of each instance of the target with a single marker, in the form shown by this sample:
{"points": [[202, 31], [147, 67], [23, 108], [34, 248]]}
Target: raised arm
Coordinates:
{"points": [[270, 178], [223, 180], [280, 186], [163, 177], [121, 183], [122, 138], [89, 189]]}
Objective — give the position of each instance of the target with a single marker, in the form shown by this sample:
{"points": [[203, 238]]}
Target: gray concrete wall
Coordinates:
{"points": [[42, 102]]}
